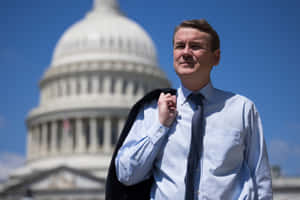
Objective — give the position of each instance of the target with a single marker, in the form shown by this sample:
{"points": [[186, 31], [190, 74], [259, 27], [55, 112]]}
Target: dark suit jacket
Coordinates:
{"points": [[115, 190]]}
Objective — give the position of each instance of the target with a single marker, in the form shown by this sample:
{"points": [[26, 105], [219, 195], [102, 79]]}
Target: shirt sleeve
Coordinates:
{"points": [[257, 157], [135, 158]]}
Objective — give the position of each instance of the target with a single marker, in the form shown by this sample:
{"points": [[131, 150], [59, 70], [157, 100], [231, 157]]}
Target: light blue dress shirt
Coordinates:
{"points": [[234, 163]]}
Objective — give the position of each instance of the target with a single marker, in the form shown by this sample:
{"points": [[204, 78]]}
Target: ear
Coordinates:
{"points": [[217, 57]]}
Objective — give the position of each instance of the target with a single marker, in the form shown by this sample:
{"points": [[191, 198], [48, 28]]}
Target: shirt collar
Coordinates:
{"points": [[206, 91]]}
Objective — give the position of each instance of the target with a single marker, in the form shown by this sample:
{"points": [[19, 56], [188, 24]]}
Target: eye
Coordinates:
{"points": [[179, 46], [196, 46]]}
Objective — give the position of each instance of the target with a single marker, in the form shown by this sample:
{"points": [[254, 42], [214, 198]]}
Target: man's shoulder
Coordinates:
{"points": [[231, 97]]}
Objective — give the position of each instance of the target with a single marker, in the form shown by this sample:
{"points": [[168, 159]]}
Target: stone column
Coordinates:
{"points": [[140, 90], [107, 135], [93, 135], [95, 84], [84, 84], [118, 90], [67, 139], [121, 123], [130, 87], [53, 137], [35, 138], [30, 143], [106, 85], [63, 83], [72, 86], [44, 139], [80, 139]]}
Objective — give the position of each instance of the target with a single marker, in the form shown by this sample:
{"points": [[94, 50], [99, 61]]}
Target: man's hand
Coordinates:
{"points": [[167, 109]]}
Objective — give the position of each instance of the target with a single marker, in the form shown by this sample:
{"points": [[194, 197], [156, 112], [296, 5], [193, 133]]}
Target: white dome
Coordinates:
{"points": [[105, 34]]}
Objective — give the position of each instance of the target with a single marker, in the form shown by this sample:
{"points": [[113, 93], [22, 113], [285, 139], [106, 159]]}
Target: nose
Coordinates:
{"points": [[186, 50], [186, 53]]}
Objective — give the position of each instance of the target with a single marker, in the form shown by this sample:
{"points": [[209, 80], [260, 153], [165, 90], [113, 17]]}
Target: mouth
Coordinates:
{"points": [[186, 63]]}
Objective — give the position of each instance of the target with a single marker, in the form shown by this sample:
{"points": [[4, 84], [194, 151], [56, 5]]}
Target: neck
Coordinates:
{"points": [[195, 85]]}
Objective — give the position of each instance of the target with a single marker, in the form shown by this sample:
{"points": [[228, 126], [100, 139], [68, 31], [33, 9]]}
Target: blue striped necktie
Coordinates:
{"points": [[195, 147]]}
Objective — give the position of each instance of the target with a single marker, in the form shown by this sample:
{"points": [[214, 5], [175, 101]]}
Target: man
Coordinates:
{"points": [[227, 137]]}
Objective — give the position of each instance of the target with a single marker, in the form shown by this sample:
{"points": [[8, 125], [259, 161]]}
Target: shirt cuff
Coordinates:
{"points": [[159, 131]]}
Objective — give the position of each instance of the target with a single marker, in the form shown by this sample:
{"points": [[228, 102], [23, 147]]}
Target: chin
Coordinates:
{"points": [[185, 72]]}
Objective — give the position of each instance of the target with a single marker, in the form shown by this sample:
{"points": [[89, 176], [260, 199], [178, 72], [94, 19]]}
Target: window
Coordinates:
{"points": [[86, 132], [135, 87], [59, 134], [100, 131], [89, 85], [78, 86], [100, 84], [40, 134], [49, 132], [114, 131], [124, 86], [73, 132], [112, 86]]}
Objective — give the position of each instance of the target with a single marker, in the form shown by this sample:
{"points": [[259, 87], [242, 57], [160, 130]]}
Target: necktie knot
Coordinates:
{"points": [[197, 98]]}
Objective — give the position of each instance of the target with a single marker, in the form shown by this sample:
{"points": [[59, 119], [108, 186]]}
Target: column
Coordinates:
{"points": [[29, 143], [140, 90], [95, 83], [53, 137], [63, 83], [84, 84], [80, 139], [107, 135], [130, 88], [44, 139], [72, 86], [106, 85], [66, 135], [121, 123], [93, 135], [118, 89], [35, 141]]}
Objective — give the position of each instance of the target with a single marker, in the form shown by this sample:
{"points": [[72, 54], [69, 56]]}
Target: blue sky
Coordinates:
{"points": [[259, 44]]}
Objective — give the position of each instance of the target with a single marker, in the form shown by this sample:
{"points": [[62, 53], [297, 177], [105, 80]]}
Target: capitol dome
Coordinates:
{"points": [[105, 34], [100, 67]]}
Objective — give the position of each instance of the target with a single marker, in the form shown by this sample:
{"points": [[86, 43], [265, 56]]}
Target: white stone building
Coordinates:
{"points": [[101, 65]]}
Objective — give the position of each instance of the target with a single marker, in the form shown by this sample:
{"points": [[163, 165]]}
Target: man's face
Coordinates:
{"points": [[192, 53]]}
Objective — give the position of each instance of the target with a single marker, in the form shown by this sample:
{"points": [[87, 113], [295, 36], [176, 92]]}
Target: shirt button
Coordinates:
{"points": [[160, 129]]}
